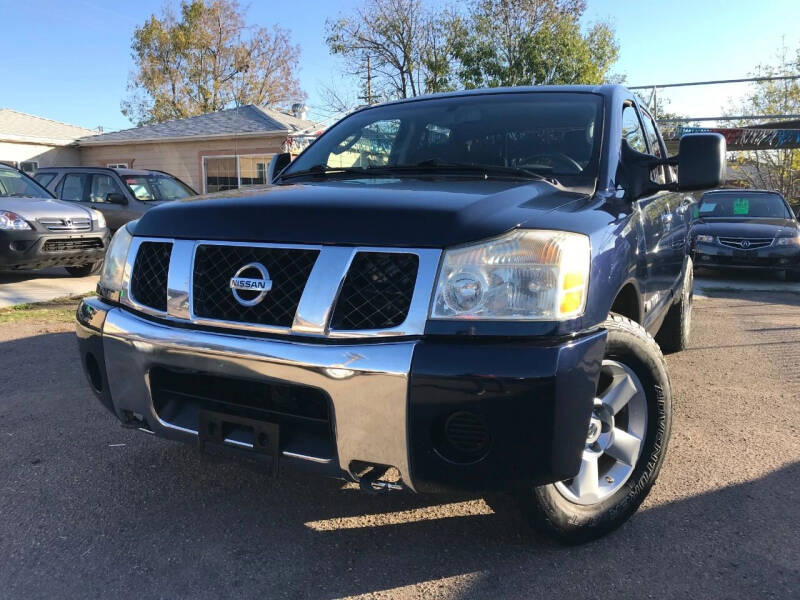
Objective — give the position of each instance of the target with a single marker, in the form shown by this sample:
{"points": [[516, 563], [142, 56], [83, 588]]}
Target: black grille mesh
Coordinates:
{"points": [[215, 265], [377, 291], [149, 278], [58, 245]]}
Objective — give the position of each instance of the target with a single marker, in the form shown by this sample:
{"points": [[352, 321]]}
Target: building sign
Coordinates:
{"points": [[740, 138]]}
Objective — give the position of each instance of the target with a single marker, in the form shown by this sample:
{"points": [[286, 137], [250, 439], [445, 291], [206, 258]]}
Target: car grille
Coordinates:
{"points": [[215, 265], [67, 224], [377, 291], [149, 277], [67, 245], [745, 243]]}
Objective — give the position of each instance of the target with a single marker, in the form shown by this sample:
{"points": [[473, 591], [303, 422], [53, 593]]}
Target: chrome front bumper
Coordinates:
{"points": [[388, 401], [367, 383]]}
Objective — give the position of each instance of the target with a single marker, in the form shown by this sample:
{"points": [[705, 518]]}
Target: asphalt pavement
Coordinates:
{"points": [[88, 509]]}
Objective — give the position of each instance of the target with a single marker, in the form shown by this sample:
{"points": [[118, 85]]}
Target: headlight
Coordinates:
{"points": [[99, 219], [110, 284], [12, 221], [707, 239], [787, 241], [531, 275]]}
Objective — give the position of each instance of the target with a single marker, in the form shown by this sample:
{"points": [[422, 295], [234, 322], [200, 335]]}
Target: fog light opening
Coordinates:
{"points": [[93, 371]]}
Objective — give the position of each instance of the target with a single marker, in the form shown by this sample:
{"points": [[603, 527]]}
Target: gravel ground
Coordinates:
{"points": [[88, 509]]}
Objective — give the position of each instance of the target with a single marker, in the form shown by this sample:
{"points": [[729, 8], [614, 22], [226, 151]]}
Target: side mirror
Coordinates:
{"points": [[278, 163], [116, 198], [701, 161]]}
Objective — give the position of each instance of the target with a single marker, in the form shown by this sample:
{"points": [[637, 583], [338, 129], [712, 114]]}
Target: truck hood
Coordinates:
{"points": [[752, 228], [31, 209], [370, 212]]}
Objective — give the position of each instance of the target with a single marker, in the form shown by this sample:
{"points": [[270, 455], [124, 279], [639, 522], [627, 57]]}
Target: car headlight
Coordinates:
{"points": [[788, 241], [110, 284], [534, 275], [12, 221], [99, 219], [706, 239]]}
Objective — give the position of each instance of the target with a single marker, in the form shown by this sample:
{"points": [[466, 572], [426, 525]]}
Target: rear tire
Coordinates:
{"points": [[677, 326], [85, 270], [573, 512]]}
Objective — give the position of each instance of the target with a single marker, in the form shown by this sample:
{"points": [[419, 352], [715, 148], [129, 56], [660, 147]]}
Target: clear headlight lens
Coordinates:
{"points": [[99, 219], [533, 275], [110, 284], [12, 221], [707, 239], [787, 241]]}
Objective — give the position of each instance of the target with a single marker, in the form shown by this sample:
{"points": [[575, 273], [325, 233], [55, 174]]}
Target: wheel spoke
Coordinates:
{"points": [[624, 447], [585, 484], [619, 393]]}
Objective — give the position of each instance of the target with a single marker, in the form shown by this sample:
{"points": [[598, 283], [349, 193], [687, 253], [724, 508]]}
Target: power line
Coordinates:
{"points": [[713, 82], [734, 118]]}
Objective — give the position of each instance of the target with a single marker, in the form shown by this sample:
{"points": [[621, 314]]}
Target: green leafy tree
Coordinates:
{"points": [[771, 169], [206, 59], [525, 42]]}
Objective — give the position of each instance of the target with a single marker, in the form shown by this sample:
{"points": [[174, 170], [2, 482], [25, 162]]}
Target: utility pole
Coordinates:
{"points": [[367, 97]]}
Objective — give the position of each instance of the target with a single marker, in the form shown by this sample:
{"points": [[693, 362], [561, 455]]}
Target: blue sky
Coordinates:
{"points": [[69, 60]]}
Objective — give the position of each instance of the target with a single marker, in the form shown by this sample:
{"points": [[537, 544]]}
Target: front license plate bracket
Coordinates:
{"points": [[215, 436]]}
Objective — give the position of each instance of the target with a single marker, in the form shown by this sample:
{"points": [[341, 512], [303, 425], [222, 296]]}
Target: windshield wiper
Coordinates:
{"points": [[424, 166], [436, 164], [322, 170]]}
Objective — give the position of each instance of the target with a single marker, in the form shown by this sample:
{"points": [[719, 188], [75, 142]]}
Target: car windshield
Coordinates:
{"points": [[149, 188], [547, 134], [14, 183], [743, 206]]}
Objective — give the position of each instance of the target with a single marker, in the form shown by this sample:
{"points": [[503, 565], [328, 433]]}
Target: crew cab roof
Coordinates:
{"points": [[603, 90]]}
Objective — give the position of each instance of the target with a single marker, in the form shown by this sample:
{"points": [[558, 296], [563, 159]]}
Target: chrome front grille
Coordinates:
{"points": [[67, 224], [215, 265], [740, 243], [323, 291]]}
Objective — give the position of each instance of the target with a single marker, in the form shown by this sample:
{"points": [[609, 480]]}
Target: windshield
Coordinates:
{"points": [[546, 133], [14, 183], [156, 187], [744, 206]]}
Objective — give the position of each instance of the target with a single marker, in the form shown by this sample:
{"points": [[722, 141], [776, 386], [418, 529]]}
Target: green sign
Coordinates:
{"points": [[741, 206]]}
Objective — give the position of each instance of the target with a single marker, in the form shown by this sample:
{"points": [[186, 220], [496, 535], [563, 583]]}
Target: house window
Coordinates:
{"points": [[29, 166], [222, 173], [117, 165]]}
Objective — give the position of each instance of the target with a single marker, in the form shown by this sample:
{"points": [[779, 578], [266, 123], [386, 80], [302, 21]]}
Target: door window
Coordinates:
{"points": [[75, 187], [102, 186], [44, 178], [632, 129], [655, 146]]}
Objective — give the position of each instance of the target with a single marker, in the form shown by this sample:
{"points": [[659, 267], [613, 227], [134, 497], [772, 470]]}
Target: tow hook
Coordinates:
{"points": [[371, 483]]}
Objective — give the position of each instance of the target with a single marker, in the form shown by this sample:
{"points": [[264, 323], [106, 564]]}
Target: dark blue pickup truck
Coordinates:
{"points": [[454, 292]]}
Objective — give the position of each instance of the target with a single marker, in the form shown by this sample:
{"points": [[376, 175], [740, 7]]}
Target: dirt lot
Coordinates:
{"points": [[89, 509]]}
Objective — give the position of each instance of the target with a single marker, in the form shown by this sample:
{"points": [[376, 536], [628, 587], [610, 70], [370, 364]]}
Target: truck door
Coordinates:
{"points": [[675, 216], [656, 218]]}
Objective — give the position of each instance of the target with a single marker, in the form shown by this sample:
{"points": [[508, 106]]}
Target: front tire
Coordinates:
{"points": [[625, 447], [677, 326], [85, 270]]}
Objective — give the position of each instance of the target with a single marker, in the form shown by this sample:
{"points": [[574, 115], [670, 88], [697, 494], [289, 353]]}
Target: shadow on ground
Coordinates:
{"points": [[90, 509]]}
